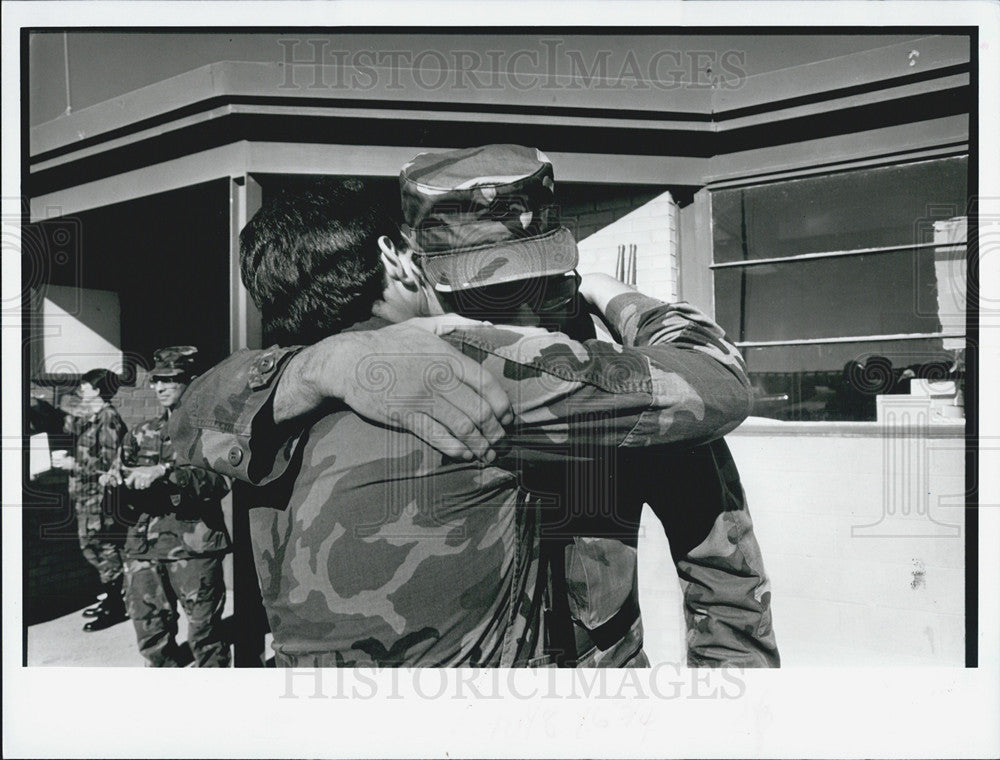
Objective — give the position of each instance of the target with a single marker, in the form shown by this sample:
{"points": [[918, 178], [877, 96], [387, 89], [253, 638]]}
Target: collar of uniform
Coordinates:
{"points": [[372, 323]]}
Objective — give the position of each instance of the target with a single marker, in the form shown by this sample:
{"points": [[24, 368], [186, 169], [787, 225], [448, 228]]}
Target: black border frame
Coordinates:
{"points": [[972, 314]]}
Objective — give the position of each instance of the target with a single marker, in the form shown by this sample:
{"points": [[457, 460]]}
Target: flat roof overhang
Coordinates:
{"points": [[238, 117]]}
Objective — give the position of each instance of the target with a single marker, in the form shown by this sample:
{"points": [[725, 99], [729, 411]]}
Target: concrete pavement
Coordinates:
{"points": [[63, 642]]}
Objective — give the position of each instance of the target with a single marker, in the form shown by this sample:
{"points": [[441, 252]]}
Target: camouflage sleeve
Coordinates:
{"points": [[224, 422], [198, 484], [644, 321], [128, 455], [110, 431], [676, 379], [195, 483]]}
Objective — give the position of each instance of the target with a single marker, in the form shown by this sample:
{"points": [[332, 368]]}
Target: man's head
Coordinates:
{"points": [[484, 227], [310, 259], [173, 369], [483, 239], [98, 382]]}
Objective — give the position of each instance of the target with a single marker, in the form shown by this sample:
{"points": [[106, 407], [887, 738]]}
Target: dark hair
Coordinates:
{"points": [[310, 259], [104, 381]]}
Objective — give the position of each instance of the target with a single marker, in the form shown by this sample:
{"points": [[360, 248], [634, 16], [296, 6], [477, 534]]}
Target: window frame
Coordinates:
{"points": [[745, 345]]}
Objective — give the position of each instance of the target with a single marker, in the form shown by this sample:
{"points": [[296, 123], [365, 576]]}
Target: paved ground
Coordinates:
{"points": [[62, 642]]}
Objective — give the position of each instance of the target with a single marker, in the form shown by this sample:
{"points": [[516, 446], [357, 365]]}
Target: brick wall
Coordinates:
{"points": [[134, 403], [632, 218], [137, 403], [866, 565]]}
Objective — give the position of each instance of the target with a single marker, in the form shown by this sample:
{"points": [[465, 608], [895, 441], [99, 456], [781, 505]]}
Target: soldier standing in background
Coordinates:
{"points": [[174, 551], [98, 430]]}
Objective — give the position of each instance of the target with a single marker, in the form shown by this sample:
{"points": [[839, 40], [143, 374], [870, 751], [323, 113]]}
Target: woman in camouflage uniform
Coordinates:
{"points": [[98, 430]]}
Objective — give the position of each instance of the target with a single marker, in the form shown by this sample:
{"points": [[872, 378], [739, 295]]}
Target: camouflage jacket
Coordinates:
{"points": [[376, 549], [97, 439], [180, 515]]}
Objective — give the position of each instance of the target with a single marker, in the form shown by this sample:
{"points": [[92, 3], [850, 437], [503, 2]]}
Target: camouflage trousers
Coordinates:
{"points": [[152, 590], [99, 542], [727, 597]]}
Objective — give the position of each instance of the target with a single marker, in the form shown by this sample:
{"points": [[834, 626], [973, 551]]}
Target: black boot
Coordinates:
{"points": [[93, 609], [111, 611]]}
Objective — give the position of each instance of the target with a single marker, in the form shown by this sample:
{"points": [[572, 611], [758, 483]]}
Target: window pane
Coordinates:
{"points": [[877, 294], [866, 208], [839, 381]]}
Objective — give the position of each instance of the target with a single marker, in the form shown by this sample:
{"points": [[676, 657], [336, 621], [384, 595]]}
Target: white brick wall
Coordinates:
{"points": [[653, 228], [891, 594]]}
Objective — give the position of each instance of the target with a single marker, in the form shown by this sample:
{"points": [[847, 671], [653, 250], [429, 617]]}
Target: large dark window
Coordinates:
{"points": [[836, 287]]}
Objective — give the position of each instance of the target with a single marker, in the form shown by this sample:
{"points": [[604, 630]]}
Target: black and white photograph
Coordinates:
{"points": [[611, 382]]}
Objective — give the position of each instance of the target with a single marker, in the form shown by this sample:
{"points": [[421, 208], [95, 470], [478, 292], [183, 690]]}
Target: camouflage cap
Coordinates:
{"points": [[173, 360], [484, 216]]}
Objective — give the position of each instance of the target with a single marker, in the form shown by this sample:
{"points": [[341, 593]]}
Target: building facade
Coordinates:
{"points": [[809, 191]]}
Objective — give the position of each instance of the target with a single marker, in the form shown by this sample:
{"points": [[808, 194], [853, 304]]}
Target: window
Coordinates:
{"points": [[840, 287]]}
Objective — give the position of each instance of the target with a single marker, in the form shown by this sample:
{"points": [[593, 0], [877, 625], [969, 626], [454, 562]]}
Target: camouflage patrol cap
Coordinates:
{"points": [[484, 216], [173, 360]]}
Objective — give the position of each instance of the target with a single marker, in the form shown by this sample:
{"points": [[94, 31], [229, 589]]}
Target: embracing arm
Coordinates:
{"points": [[676, 379], [243, 417]]}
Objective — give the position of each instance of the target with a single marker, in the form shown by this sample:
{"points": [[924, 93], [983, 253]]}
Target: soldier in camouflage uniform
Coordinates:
{"points": [[378, 524], [591, 534], [174, 550], [98, 430]]}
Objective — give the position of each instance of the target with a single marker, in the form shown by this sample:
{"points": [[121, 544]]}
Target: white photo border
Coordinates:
{"points": [[823, 712]]}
